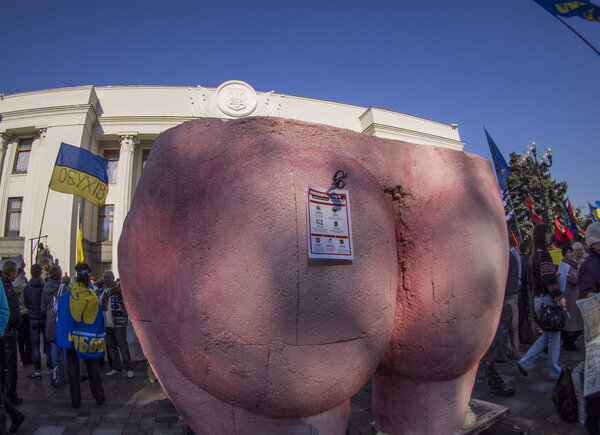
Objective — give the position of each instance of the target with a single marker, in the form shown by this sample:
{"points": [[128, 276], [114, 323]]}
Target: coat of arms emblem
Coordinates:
{"points": [[236, 99]]}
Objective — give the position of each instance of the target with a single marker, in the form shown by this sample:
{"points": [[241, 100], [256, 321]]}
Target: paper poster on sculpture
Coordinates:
{"points": [[329, 224], [590, 310]]}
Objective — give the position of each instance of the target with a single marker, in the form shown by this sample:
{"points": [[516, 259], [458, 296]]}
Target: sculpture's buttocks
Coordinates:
{"points": [[241, 326]]}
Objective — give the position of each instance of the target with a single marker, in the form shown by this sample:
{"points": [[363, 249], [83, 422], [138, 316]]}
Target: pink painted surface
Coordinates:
{"points": [[244, 331]]}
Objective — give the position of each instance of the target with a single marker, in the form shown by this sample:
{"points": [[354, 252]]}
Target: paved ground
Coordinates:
{"points": [[135, 406], [532, 400]]}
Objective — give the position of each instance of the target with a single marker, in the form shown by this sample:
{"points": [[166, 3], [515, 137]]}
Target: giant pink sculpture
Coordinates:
{"points": [[247, 335]]}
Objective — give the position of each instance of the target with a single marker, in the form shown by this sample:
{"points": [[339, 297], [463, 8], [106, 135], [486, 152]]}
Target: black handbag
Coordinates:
{"points": [[563, 396], [552, 317]]}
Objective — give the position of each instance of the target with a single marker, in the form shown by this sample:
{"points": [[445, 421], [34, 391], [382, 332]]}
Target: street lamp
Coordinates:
{"points": [[545, 160]]}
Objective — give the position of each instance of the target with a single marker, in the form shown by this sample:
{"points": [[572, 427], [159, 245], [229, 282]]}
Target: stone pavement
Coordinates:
{"points": [[532, 400], [135, 406]]}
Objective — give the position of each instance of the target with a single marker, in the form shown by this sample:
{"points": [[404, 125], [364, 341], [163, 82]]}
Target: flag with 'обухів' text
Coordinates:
{"points": [[80, 172]]}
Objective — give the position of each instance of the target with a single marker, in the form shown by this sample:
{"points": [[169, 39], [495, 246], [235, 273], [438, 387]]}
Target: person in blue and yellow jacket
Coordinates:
{"points": [[80, 330]]}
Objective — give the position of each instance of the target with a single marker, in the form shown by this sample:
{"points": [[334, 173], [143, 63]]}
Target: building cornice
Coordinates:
{"points": [[74, 109], [46, 91], [407, 135], [143, 119]]}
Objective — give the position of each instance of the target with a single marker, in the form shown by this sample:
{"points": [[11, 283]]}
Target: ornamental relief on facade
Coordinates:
{"points": [[233, 99]]}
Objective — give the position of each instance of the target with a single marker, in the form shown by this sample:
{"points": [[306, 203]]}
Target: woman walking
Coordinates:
{"points": [[547, 291]]}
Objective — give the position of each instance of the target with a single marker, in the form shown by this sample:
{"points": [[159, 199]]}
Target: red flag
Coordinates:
{"points": [[529, 204], [563, 234], [571, 212], [535, 216]]}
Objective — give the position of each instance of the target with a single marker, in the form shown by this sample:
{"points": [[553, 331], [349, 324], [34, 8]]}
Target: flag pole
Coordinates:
{"points": [[577, 33], [77, 237], [41, 224], [574, 31], [515, 214], [77, 240]]}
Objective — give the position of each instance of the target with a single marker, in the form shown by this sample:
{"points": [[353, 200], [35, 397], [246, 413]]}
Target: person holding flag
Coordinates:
{"points": [[80, 330]]}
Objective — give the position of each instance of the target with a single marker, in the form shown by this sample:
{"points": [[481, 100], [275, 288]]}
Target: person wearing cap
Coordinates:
{"points": [[589, 285]]}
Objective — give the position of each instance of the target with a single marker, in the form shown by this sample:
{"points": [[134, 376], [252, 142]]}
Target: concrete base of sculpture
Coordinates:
{"points": [[403, 406]]}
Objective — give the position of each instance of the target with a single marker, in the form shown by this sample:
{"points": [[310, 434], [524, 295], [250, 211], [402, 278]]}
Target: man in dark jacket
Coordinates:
{"points": [[115, 318], [33, 301], [508, 344], [52, 291], [9, 273]]}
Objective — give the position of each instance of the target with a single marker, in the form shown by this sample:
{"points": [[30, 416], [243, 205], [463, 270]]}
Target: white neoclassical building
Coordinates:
{"points": [[120, 123]]}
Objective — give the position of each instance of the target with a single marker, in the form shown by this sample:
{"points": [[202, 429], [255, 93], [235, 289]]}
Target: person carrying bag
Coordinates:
{"points": [[51, 294], [548, 304]]}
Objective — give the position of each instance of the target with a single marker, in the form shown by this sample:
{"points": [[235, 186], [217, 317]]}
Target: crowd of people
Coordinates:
{"points": [[45, 316], [534, 281]]}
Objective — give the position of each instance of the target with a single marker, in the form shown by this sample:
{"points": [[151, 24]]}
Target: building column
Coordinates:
{"points": [[124, 191], [4, 139]]}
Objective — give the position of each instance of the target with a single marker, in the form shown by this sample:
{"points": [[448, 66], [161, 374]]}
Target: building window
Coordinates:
{"points": [[145, 154], [112, 161], [105, 223], [23, 153], [13, 216]]}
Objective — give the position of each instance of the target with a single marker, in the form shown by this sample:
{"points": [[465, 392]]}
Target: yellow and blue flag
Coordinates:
{"points": [[80, 322], [80, 172], [595, 212], [583, 8], [502, 168]]}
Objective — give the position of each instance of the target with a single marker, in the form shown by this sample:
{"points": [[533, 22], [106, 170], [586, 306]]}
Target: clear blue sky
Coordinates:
{"points": [[505, 64]]}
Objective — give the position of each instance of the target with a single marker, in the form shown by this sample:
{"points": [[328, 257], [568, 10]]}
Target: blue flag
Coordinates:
{"points": [[594, 212], [582, 8], [502, 169], [80, 322]]}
